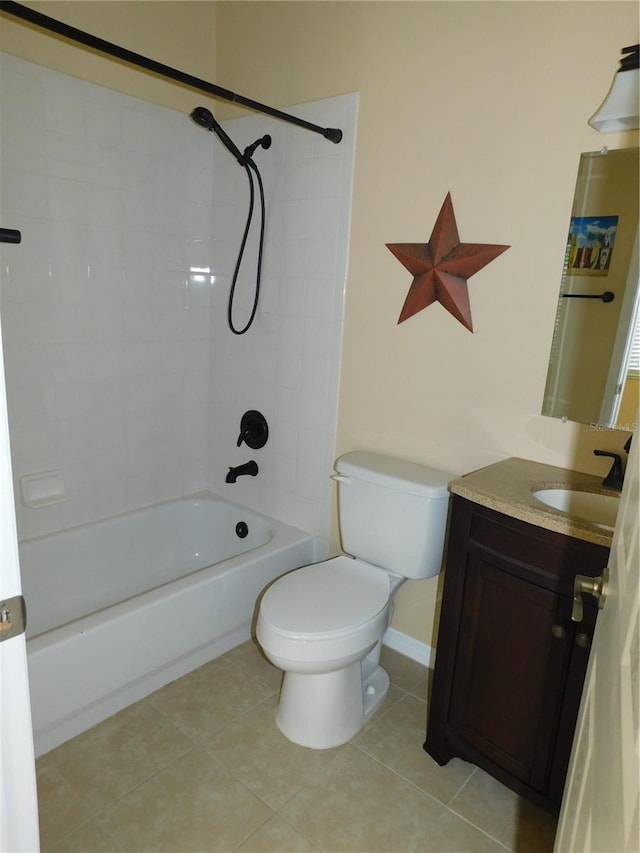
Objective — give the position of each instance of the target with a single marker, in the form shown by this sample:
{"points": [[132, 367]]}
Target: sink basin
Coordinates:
{"points": [[589, 506]]}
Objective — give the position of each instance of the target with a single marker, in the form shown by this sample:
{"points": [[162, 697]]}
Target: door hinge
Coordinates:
{"points": [[13, 617]]}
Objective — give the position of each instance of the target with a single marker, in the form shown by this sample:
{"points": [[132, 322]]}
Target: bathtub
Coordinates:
{"points": [[119, 608]]}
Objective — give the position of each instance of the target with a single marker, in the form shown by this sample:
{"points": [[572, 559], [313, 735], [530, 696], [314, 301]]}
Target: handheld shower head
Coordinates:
{"points": [[204, 117]]}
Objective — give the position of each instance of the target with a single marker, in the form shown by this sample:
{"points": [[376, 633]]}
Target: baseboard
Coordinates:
{"points": [[409, 647]]}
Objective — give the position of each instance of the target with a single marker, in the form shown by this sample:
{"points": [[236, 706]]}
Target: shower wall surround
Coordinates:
{"points": [[288, 364], [120, 369]]}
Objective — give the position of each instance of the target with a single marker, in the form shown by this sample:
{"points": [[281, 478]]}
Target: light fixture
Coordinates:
{"points": [[621, 108]]}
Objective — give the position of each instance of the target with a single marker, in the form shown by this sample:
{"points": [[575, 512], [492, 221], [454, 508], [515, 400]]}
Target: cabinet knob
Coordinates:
{"points": [[583, 640], [558, 632]]}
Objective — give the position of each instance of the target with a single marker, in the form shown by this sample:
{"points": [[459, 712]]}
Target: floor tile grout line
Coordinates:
{"points": [[244, 671], [284, 820], [195, 747], [232, 773], [464, 784], [208, 735], [379, 716], [93, 820], [96, 811], [339, 749], [400, 776], [67, 834], [479, 829], [257, 828], [451, 807], [433, 796]]}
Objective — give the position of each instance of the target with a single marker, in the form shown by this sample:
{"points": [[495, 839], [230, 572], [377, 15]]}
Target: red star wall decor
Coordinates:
{"points": [[442, 266]]}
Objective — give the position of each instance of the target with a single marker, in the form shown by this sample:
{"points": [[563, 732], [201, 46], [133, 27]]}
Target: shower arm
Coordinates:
{"points": [[333, 134]]}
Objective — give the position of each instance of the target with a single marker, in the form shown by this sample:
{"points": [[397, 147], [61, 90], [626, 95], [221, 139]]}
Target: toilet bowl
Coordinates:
{"points": [[323, 624]]}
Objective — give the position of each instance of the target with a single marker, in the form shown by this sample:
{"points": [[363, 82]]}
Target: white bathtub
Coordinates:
{"points": [[119, 608]]}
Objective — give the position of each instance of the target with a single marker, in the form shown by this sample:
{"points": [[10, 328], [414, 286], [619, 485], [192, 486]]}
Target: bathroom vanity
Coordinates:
{"points": [[510, 660]]}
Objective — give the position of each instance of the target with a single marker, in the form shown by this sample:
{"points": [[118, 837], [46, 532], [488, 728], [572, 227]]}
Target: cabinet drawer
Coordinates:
{"points": [[540, 556]]}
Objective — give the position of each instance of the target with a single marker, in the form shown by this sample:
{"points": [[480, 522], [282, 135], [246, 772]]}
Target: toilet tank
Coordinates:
{"points": [[393, 513]]}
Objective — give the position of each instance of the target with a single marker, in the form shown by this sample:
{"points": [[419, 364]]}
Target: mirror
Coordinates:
{"points": [[598, 302]]}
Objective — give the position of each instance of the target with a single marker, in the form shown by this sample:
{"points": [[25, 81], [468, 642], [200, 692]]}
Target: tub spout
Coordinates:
{"points": [[250, 468]]}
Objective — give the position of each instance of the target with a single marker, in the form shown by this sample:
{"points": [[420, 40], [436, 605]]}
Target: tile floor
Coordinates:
{"points": [[201, 766]]}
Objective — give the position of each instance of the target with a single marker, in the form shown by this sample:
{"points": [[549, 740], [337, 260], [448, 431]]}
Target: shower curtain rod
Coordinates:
{"points": [[333, 134]]}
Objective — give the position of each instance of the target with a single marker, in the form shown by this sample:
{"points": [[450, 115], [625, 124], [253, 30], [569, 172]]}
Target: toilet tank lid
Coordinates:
{"points": [[393, 473]]}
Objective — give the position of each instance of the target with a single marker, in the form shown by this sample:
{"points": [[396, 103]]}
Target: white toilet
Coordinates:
{"points": [[323, 624]]}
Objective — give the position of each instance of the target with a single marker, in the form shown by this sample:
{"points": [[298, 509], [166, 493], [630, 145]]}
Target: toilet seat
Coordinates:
{"points": [[325, 600]]}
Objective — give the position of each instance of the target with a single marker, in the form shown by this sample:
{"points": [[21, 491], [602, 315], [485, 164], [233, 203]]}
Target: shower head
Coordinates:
{"points": [[204, 117]]}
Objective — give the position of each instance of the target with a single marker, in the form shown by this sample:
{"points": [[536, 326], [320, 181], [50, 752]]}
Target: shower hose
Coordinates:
{"points": [[249, 166]]}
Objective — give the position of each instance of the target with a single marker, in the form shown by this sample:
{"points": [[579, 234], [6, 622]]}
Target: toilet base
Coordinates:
{"points": [[327, 710]]}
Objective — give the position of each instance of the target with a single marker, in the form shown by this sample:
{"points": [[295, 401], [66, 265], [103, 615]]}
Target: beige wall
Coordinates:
{"points": [[486, 100], [177, 33]]}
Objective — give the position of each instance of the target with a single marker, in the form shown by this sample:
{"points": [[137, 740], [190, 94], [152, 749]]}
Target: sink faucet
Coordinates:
{"points": [[615, 477], [250, 468]]}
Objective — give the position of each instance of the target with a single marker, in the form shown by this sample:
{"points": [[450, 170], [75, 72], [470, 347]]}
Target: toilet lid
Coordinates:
{"points": [[326, 598]]}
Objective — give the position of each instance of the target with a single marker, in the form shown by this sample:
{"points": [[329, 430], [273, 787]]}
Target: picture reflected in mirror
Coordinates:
{"points": [[592, 376]]}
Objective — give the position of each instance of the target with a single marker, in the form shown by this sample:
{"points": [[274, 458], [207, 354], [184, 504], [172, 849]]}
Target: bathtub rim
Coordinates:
{"points": [[277, 529], [204, 495], [289, 548], [157, 593]]}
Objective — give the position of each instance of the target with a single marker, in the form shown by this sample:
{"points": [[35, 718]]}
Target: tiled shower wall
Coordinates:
{"points": [[120, 371], [106, 335], [287, 366]]}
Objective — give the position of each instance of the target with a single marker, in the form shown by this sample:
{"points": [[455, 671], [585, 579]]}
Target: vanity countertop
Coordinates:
{"points": [[507, 487]]}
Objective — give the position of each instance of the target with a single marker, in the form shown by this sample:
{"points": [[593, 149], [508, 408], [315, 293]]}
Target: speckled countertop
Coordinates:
{"points": [[507, 487]]}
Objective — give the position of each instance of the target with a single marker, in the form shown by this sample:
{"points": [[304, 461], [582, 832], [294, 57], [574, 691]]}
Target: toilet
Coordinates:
{"points": [[323, 624]]}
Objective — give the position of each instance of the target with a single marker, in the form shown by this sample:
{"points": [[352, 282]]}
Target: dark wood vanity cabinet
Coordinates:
{"points": [[510, 662]]}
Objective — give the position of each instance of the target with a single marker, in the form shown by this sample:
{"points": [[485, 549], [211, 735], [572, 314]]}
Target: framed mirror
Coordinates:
{"points": [[588, 379]]}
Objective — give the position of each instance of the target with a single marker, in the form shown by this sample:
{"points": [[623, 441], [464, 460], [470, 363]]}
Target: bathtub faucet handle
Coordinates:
{"points": [[254, 430]]}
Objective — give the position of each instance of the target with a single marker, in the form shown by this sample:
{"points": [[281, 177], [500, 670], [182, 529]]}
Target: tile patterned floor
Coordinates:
{"points": [[200, 766]]}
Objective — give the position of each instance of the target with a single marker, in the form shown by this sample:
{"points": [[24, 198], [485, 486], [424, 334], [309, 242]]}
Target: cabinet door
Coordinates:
{"points": [[580, 641], [513, 654]]}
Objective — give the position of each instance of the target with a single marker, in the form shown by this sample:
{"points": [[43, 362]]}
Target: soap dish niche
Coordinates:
{"points": [[42, 488]]}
